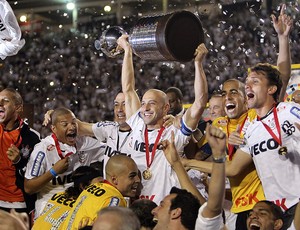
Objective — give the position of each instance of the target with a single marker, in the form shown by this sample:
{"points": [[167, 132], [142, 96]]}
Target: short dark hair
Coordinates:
{"points": [[272, 74], [275, 209], [58, 112], [143, 209], [15, 95], [189, 205], [176, 91], [83, 176]]}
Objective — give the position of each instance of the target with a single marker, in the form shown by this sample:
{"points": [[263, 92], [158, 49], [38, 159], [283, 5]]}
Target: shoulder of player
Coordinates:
{"points": [[106, 124]]}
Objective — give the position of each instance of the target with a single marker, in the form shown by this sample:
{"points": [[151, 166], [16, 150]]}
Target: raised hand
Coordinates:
{"points": [[235, 137], [216, 139], [283, 24], [61, 166], [200, 53]]}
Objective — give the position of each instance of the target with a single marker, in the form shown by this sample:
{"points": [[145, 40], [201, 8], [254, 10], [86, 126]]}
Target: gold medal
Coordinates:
{"points": [[147, 174], [282, 150]]}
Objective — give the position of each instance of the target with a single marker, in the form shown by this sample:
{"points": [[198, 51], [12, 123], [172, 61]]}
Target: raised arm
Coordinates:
{"points": [[216, 189], [193, 114], [132, 101], [283, 26], [239, 163], [174, 160]]}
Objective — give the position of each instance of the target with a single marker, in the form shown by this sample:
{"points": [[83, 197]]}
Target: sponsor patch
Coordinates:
{"points": [[37, 164], [295, 111], [50, 147], [114, 201]]}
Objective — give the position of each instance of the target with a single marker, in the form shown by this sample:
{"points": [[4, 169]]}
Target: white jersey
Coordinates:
{"points": [[45, 155], [163, 176], [279, 174], [203, 223], [116, 141]]}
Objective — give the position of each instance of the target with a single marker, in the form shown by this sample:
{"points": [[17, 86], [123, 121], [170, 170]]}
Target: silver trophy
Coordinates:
{"points": [[170, 37]]}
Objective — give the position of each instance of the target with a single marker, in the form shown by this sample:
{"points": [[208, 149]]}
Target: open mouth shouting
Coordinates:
{"points": [[254, 226], [230, 107], [71, 137]]}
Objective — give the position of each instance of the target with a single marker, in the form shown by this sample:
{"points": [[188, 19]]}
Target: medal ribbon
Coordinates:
{"points": [[149, 162], [231, 148], [278, 139], [58, 147]]}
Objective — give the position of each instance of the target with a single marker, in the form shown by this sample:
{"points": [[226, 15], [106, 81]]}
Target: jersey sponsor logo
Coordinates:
{"points": [[95, 190], [62, 199], [249, 199], [295, 111], [62, 179], [288, 128], [50, 147], [151, 197], [114, 201], [141, 147], [264, 146], [281, 203], [222, 122], [37, 164], [109, 152]]}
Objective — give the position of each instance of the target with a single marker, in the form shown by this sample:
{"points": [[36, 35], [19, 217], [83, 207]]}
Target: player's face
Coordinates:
{"points": [[119, 109], [257, 89], [175, 105], [65, 129], [216, 107], [8, 108], [153, 108], [261, 218], [129, 181], [162, 213], [235, 102]]}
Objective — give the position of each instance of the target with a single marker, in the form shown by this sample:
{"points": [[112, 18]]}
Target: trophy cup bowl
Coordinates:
{"points": [[108, 41], [169, 37]]}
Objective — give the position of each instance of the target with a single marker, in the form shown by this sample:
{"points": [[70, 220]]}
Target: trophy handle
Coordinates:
{"points": [[108, 41]]}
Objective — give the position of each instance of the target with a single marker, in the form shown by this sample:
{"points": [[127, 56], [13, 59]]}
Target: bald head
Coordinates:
{"points": [[122, 172], [117, 164], [158, 95]]}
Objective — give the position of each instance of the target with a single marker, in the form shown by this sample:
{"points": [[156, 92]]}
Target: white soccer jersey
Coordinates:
{"points": [[116, 141], [279, 174], [163, 176], [45, 155]]}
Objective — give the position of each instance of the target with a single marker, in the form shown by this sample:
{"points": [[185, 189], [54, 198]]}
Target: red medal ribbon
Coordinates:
{"points": [[278, 139], [231, 149], [58, 148], [154, 147]]}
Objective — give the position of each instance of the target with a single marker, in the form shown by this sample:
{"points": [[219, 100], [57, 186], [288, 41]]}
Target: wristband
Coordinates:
{"points": [[220, 159], [53, 172]]}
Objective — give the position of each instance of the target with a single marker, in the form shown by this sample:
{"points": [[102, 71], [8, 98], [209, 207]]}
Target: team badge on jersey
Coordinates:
{"points": [[82, 157]]}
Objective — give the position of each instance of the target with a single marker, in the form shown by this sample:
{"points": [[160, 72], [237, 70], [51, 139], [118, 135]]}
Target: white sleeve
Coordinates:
{"points": [[37, 162], [202, 223], [101, 129]]}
